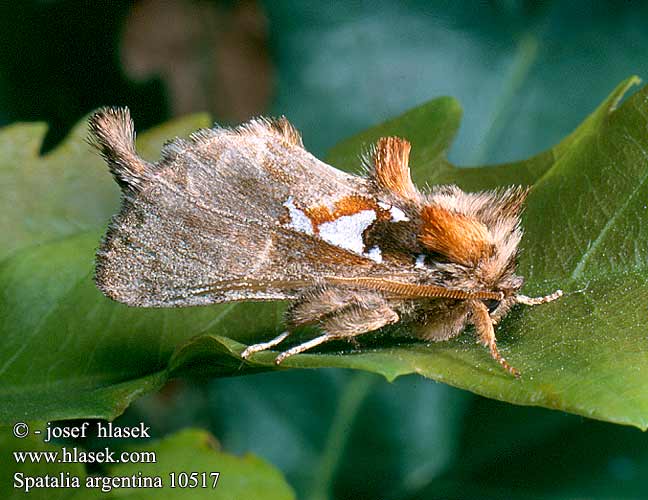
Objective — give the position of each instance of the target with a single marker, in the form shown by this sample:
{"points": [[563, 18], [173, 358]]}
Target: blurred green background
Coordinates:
{"points": [[526, 74]]}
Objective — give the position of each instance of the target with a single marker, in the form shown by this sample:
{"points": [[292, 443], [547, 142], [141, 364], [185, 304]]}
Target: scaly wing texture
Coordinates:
{"points": [[207, 223]]}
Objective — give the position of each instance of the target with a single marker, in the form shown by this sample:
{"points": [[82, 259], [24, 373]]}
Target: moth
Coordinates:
{"points": [[247, 214]]}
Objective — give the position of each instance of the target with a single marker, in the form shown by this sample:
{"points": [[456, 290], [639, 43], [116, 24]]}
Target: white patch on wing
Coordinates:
{"points": [[299, 221], [375, 254], [346, 231], [420, 262], [384, 206], [398, 215]]}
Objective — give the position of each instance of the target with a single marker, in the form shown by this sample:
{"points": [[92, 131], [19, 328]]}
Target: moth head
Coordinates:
{"points": [[480, 232]]}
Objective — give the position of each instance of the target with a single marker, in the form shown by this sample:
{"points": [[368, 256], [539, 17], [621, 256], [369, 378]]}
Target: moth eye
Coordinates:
{"points": [[492, 305]]}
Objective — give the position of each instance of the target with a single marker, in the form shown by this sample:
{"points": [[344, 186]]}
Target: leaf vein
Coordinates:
{"points": [[580, 266]]}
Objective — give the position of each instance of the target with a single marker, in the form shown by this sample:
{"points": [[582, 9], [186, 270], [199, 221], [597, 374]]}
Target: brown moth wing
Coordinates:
{"points": [[204, 224]]}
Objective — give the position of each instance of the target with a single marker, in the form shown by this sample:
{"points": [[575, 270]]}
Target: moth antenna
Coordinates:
{"points": [[112, 133], [414, 290]]}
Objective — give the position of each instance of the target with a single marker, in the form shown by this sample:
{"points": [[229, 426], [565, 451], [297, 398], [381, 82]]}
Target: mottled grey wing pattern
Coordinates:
{"points": [[203, 225]]}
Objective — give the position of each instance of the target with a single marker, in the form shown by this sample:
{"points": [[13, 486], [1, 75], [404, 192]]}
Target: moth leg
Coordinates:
{"points": [[534, 301], [347, 323], [505, 305], [262, 346], [312, 305], [484, 325], [305, 346], [502, 309]]}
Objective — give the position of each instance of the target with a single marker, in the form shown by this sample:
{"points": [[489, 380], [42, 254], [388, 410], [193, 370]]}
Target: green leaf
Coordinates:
{"points": [[583, 354], [188, 451]]}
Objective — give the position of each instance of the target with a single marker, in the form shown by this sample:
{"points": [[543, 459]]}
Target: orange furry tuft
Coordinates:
{"points": [[391, 167], [460, 238]]}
